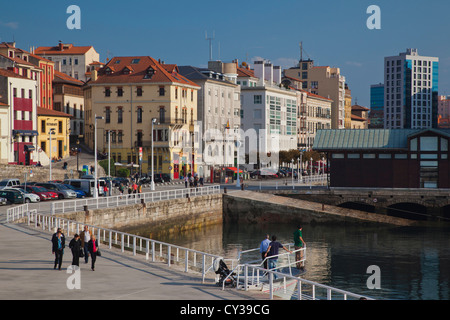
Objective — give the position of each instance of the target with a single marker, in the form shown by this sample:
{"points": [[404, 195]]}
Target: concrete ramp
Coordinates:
{"points": [[250, 206]]}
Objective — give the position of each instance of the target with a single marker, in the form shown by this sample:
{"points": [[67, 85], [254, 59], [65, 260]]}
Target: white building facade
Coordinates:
{"points": [[411, 91]]}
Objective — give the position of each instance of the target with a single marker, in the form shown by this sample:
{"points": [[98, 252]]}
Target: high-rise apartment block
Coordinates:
{"points": [[411, 91]]}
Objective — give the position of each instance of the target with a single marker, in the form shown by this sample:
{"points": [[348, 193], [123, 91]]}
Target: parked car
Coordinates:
{"points": [[3, 201], [62, 191], [12, 196], [28, 196], [80, 193], [11, 183], [43, 193], [87, 185]]}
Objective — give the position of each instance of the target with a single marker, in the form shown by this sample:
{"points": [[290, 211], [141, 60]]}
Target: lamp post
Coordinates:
{"points": [[109, 163], [78, 151], [310, 173], [95, 155], [52, 131], [152, 185], [292, 175], [238, 183]]}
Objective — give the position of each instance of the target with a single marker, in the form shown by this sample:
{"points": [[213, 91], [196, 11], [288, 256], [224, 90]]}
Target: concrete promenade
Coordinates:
{"points": [[26, 273]]}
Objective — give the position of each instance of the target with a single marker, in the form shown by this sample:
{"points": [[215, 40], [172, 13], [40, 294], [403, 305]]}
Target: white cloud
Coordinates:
{"points": [[11, 25]]}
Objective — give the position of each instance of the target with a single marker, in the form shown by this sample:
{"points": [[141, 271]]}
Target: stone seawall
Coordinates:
{"points": [[158, 218], [256, 207]]}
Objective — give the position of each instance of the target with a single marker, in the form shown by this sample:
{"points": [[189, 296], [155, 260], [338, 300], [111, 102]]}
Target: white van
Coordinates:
{"points": [[87, 185], [9, 183]]}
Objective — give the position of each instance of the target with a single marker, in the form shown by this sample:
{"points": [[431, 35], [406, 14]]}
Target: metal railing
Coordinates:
{"points": [[252, 274], [153, 250], [130, 199]]}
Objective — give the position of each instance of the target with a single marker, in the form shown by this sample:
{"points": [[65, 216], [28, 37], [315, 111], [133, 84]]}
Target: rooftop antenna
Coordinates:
{"points": [[210, 44]]}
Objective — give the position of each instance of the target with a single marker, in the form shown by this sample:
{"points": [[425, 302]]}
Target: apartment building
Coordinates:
{"points": [[444, 112], [129, 92], [69, 98], [219, 111], [271, 111], [324, 81], [72, 60], [376, 114], [18, 93], [314, 113], [411, 91]]}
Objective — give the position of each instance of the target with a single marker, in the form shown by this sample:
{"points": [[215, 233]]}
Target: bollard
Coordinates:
{"points": [[242, 186], [225, 190]]}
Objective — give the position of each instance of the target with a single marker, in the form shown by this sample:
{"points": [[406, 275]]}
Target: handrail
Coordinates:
{"points": [[153, 249], [130, 199], [257, 271]]}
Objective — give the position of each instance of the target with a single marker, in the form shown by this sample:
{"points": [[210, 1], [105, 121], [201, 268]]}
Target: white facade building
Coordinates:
{"points": [[411, 89]]}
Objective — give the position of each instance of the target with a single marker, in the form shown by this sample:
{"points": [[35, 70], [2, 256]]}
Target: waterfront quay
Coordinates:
{"points": [[26, 264]]}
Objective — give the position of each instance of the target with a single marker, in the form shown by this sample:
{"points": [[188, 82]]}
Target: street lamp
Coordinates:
{"points": [[238, 144], [152, 185], [78, 151], [52, 131], [95, 154], [292, 175], [310, 173]]}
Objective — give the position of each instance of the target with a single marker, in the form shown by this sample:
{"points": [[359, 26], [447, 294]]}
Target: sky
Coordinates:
{"points": [[333, 32]]}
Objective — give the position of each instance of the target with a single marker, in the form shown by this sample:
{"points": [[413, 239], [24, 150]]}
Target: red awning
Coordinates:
{"points": [[234, 169]]}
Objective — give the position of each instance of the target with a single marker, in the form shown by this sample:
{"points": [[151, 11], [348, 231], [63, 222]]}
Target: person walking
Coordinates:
{"points": [[299, 244], [93, 250], [272, 251], [75, 246], [85, 237], [263, 249], [58, 244]]}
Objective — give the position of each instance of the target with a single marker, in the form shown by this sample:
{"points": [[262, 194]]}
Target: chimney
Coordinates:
{"points": [[94, 75], [259, 70], [277, 74], [61, 46]]}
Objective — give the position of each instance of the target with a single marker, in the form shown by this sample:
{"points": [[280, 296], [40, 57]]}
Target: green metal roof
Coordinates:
{"points": [[358, 139]]}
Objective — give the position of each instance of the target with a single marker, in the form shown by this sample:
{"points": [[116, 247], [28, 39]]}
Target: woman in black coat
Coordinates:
{"points": [[58, 244], [75, 245], [93, 250]]}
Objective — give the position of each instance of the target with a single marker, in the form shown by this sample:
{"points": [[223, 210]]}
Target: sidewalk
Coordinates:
{"points": [[26, 273]]}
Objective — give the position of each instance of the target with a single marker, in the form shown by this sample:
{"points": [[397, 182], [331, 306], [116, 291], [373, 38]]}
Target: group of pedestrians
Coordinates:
{"points": [[83, 245], [269, 250]]}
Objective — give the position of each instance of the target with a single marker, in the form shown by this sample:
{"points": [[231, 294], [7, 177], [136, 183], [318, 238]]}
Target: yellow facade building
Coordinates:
{"points": [[59, 124], [125, 96]]}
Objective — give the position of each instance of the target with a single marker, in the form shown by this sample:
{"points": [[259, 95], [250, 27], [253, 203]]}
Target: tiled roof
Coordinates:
{"points": [[140, 65], [359, 108], [12, 74], [51, 113], [71, 49], [62, 77], [19, 61], [244, 72]]}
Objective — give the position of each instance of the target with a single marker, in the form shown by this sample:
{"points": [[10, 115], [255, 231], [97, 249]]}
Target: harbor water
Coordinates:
{"points": [[413, 263]]}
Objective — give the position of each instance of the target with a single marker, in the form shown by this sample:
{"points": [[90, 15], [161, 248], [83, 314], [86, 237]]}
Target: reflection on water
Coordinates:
{"points": [[414, 262]]}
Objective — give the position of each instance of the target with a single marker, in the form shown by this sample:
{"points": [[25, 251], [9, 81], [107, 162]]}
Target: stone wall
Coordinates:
{"points": [[160, 217], [40, 174]]}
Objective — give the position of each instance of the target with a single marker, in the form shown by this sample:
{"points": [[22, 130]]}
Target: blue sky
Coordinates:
{"points": [[333, 32]]}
